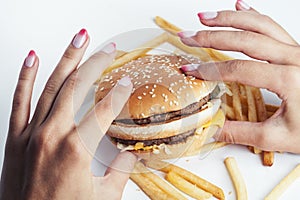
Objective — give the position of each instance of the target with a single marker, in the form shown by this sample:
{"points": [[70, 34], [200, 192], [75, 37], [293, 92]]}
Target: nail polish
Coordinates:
{"points": [[243, 5], [186, 34], [189, 67], [207, 15], [29, 61], [109, 48], [80, 38], [125, 81]]}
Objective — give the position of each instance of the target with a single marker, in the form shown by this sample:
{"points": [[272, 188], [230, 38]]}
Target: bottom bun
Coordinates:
{"points": [[191, 147]]}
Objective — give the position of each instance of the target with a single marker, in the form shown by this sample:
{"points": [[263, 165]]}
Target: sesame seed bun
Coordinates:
{"points": [[159, 86], [159, 106]]}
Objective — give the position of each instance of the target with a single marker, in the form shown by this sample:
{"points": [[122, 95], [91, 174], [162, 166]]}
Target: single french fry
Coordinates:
{"points": [[237, 179], [142, 50], [159, 182], [284, 184], [268, 158], [198, 52], [162, 23], [252, 115], [149, 188], [237, 106], [171, 28], [187, 187], [192, 178], [262, 115], [271, 108], [228, 110]]}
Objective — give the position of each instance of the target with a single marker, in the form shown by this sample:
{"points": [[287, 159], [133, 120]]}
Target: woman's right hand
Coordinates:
{"points": [[264, 40]]}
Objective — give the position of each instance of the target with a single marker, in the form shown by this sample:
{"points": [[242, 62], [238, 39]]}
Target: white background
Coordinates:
{"points": [[48, 27]]}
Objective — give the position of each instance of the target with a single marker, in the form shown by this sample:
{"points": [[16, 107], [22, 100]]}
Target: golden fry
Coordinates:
{"points": [[149, 188], [237, 179], [186, 186], [228, 110], [284, 184], [140, 51], [192, 178], [159, 182], [237, 106], [271, 108]]}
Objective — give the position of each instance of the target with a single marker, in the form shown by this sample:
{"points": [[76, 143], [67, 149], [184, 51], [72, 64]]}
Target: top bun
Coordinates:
{"points": [[159, 86]]}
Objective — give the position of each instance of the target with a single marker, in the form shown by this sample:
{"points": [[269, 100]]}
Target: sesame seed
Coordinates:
{"points": [[153, 95], [146, 86], [154, 85], [139, 97], [144, 93], [101, 89]]}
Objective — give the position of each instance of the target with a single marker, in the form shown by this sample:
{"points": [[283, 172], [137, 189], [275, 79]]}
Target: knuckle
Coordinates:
{"points": [[246, 36], [51, 87], [204, 38], [43, 139], [72, 146], [69, 56], [72, 80], [267, 19]]}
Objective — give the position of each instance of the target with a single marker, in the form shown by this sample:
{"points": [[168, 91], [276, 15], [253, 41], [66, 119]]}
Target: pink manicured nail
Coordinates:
{"points": [[189, 67], [207, 15], [243, 5], [109, 48], [125, 81], [186, 34], [80, 38], [29, 61]]}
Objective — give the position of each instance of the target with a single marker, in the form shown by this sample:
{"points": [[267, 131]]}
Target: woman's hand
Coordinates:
{"points": [[50, 157], [260, 38]]}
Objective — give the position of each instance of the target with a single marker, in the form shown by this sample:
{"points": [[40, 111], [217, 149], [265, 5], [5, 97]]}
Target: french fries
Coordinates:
{"points": [[236, 178], [186, 186], [190, 177], [149, 188], [160, 183], [142, 50], [284, 184]]}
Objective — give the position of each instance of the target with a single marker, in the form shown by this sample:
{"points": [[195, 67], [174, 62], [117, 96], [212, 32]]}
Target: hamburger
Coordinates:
{"points": [[168, 113]]}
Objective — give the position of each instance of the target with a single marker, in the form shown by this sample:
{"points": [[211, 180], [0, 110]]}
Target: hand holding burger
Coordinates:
{"points": [[166, 109], [263, 39]]}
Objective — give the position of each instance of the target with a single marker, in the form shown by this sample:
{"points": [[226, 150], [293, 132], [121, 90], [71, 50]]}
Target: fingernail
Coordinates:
{"points": [[125, 81], [186, 34], [243, 5], [207, 15], [189, 67], [109, 48], [80, 38], [29, 61]]}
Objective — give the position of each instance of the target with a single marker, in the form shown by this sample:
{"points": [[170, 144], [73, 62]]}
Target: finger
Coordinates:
{"points": [[252, 44], [68, 63], [22, 96], [78, 84], [243, 6], [121, 166], [249, 21], [93, 127], [253, 134], [273, 78], [116, 176]]}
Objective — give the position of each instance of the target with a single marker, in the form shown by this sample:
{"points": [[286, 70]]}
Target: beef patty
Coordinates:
{"points": [[169, 140], [163, 117]]}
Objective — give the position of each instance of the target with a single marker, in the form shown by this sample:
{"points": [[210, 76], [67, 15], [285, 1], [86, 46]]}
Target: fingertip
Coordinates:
{"points": [[31, 60], [80, 39]]}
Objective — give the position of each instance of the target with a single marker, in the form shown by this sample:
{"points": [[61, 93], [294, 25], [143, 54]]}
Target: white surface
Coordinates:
{"points": [[48, 27]]}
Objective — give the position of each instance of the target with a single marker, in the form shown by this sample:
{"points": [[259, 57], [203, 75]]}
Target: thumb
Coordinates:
{"points": [[117, 174], [245, 133], [93, 127]]}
